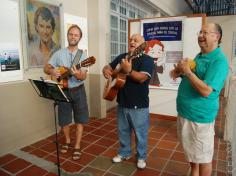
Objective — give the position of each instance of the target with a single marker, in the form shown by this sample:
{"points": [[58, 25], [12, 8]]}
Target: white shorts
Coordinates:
{"points": [[197, 140]]}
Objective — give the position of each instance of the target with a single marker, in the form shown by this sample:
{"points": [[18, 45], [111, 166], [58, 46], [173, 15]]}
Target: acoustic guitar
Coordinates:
{"points": [[117, 79], [66, 72]]}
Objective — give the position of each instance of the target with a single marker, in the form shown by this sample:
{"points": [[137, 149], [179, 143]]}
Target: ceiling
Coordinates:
{"points": [[213, 7]]}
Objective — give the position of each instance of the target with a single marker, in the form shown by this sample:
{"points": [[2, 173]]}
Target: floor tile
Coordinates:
{"points": [[50, 147], [6, 159], [111, 152], [51, 174], [105, 142], [178, 156], [28, 148], [90, 138], [161, 153], [68, 166], [95, 149], [92, 171], [95, 124], [152, 141], [155, 135], [112, 135], [32, 170], [170, 137], [123, 168], [40, 143], [16, 165], [53, 159], [111, 174], [156, 162], [39, 153], [3, 173], [89, 128], [167, 145], [99, 132], [102, 163], [177, 168], [109, 128], [146, 172]]}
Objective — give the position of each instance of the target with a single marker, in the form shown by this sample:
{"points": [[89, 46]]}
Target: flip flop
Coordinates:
{"points": [[65, 147], [76, 154]]}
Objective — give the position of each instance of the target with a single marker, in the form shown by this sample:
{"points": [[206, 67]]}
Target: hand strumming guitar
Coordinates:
{"points": [[50, 70], [107, 71]]}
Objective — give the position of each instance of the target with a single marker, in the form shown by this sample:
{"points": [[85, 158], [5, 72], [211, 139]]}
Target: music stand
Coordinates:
{"points": [[52, 91]]}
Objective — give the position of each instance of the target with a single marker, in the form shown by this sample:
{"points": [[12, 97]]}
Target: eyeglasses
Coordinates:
{"points": [[204, 33]]}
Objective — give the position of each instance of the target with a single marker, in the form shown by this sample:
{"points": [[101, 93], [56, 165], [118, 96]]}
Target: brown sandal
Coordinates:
{"points": [[76, 154], [65, 147]]}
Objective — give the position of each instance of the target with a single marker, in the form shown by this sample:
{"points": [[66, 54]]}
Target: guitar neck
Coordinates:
{"points": [[85, 63], [131, 56]]}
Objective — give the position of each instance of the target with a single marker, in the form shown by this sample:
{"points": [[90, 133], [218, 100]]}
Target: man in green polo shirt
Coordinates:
{"points": [[198, 99]]}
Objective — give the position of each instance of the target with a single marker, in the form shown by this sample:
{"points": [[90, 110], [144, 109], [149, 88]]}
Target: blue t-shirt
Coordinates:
{"points": [[64, 57], [134, 94], [212, 68]]}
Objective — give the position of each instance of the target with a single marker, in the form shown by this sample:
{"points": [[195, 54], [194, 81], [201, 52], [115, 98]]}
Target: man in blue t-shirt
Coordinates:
{"points": [[198, 99], [133, 101]]}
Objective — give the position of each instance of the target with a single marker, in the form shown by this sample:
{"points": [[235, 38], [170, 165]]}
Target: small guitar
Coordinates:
{"points": [[66, 72], [117, 80]]}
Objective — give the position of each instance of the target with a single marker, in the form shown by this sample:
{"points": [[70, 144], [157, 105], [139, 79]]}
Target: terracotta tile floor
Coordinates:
{"points": [[99, 145]]}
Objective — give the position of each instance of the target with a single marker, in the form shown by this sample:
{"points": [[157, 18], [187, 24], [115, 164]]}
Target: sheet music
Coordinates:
{"points": [[49, 89]]}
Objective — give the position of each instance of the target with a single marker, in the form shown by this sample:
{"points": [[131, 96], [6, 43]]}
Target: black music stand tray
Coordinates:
{"points": [[52, 91]]}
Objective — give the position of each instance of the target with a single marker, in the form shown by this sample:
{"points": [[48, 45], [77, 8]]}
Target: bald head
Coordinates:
{"points": [[135, 41], [138, 37], [216, 28], [209, 37]]}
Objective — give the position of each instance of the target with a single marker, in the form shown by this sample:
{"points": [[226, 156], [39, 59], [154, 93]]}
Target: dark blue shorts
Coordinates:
{"points": [[78, 108]]}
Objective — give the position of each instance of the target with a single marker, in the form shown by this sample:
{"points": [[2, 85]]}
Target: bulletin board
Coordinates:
{"points": [[175, 38]]}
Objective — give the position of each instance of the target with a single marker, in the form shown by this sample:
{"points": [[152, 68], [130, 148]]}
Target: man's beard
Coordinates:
{"points": [[73, 43]]}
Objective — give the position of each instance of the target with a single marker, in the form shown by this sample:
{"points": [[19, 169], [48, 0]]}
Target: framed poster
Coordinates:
{"points": [[164, 37], [10, 45], [44, 32]]}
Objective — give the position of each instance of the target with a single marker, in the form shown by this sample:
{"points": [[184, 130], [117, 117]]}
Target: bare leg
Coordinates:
{"points": [[205, 169], [79, 132], [194, 169], [77, 152], [66, 131]]}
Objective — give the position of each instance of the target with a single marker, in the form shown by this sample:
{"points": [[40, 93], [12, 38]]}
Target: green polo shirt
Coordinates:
{"points": [[212, 68]]}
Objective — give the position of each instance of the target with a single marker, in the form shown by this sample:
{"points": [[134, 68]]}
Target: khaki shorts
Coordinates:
{"points": [[197, 140]]}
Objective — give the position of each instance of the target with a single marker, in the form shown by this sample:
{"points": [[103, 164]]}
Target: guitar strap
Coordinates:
{"points": [[77, 57]]}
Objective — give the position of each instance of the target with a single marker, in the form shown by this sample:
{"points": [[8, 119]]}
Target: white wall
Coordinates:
{"points": [[26, 118]]}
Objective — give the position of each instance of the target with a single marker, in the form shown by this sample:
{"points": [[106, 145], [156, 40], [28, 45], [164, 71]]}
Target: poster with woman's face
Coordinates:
{"points": [[43, 25]]}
